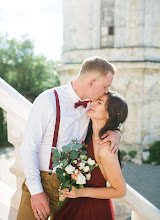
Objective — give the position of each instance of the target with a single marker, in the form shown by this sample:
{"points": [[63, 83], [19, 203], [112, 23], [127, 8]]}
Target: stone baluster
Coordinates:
{"points": [[15, 129]]}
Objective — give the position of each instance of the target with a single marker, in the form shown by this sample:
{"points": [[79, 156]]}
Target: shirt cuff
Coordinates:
{"points": [[35, 189]]}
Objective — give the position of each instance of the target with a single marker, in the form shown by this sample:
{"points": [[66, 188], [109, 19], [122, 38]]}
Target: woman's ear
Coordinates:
{"points": [[107, 116], [91, 82]]}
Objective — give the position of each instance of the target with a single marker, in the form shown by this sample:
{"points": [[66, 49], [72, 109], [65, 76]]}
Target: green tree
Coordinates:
{"points": [[3, 129], [28, 73]]}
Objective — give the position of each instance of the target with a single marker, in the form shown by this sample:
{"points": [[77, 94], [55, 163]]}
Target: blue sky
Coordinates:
{"points": [[41, 20]]}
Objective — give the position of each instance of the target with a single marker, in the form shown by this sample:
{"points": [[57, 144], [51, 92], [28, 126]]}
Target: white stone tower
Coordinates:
{"points": [[126, 33]]}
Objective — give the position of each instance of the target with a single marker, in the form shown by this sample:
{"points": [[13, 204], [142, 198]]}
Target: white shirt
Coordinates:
{"points": [[37, 142]]}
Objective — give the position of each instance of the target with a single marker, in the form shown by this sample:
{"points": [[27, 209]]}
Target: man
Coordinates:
{"points": [[39, 192]]}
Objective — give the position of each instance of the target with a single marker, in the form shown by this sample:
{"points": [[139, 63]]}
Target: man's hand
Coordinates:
{"points": [[114, 137], [40, 206]]}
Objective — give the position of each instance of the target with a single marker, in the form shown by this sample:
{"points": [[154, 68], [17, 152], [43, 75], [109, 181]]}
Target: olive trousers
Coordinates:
{"points": [[50, 185]]}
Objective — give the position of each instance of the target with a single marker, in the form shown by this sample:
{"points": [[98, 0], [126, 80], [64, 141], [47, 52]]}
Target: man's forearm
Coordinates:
{"points": [[31, 171]]}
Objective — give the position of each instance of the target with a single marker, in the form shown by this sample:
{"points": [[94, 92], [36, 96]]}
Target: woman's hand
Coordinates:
{"points": [[74, 193]]}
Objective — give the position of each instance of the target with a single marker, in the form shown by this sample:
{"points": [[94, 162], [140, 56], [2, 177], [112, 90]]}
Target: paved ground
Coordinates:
{"points": [[145, 179], [6, 160]]}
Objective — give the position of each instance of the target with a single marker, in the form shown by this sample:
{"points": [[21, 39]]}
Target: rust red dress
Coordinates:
{"points": [[84, 208]]}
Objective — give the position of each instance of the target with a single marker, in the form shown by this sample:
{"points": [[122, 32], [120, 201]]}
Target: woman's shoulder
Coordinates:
{"points": [[105, 152]]}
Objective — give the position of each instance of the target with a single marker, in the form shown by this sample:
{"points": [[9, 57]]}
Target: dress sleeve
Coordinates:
{"points": [[35, 128]]}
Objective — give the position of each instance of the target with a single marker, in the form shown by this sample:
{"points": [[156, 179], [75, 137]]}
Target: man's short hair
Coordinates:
{"points": [[97, 64]]}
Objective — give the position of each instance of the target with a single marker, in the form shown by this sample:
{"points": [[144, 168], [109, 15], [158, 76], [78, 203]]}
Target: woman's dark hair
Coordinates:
{"points": [[117, 109]]}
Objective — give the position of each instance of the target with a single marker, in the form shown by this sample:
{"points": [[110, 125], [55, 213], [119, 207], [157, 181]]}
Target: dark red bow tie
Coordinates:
{"points": [[83, 103]]}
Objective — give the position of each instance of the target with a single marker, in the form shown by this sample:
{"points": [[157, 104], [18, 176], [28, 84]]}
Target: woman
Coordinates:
{"points": [[94, 200]]}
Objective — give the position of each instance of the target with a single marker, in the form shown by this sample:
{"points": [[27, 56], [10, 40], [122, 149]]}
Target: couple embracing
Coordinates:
{"points": [[88, 112]]}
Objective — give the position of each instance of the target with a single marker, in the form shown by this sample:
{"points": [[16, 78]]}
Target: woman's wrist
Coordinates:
{"points": [[81, 192]]}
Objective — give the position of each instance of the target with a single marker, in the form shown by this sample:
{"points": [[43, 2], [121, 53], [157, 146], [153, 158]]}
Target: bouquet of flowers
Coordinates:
{"points": [[73, 166]]}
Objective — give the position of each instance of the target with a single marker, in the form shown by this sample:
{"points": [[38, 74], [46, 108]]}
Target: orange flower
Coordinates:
{"points": [[75, 174]]}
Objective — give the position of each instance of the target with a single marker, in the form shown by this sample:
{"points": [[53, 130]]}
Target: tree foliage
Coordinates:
{"points": [[28, 73], [3, 129]]}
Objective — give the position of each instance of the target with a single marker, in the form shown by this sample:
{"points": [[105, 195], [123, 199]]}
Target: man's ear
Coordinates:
{"points": [[91, 82]]}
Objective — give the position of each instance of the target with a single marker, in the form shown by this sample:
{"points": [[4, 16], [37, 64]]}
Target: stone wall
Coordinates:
{"points": [[126, 33], [139, 83], [114, 54], [136, 23], [81, 24], [107, 24]]}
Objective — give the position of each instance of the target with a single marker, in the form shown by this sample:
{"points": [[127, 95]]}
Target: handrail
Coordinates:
{"points": [[140, 205], [13, 102]]}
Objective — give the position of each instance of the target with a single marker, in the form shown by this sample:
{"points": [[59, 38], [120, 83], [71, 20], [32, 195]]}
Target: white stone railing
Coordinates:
{"points": [[141, 208], [18, 108]]}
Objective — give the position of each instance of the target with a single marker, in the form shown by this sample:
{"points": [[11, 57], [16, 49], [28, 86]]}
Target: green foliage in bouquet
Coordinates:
{"points": [[73, 167]]}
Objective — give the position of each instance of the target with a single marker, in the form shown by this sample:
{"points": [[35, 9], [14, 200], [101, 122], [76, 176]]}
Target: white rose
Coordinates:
{"points": [[75, 162], [61, 164], [88, 176], [86, 169], [91, 162], [81, 179], [69, 169], [82, 156], [81, 165], [76, 171]]}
